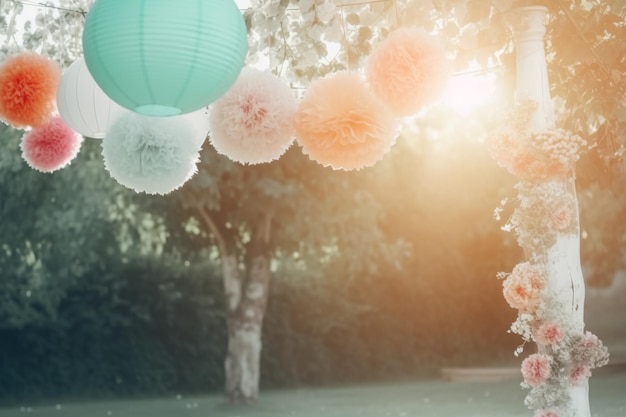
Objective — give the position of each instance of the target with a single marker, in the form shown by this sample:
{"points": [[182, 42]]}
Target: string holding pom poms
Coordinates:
{"points": [[408, 70], [51, 146], [341, 124], [155, 155], [28, 86], [253, 122]]}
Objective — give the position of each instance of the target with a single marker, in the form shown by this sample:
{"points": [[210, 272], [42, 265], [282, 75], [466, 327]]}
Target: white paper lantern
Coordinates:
{"points": [[82, 103]]}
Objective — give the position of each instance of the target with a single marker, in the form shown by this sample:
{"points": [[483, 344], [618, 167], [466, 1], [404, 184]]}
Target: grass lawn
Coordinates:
{"points": [[418, 399]]}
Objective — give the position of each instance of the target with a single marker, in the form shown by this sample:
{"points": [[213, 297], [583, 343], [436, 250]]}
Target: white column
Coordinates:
{"points": [[562, 261]]}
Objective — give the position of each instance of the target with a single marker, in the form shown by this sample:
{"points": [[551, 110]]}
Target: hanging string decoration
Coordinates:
{"points": [[341, 124], [50, 147], [82, 103], [162, 58], [408, 70], [253, 122], [28, 85], [151, 154]]}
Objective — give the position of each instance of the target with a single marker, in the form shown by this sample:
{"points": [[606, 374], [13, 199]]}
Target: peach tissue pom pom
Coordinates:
{"points": [[408, 70], [28, 86], [253, 122], [51, 146], [341, 124]]}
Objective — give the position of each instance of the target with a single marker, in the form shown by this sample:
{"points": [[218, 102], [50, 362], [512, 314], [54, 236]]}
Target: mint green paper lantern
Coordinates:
{"points": [[164, 57]]}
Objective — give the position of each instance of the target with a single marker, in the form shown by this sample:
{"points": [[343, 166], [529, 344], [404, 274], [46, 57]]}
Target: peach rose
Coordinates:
{"points": [[523, 287]]}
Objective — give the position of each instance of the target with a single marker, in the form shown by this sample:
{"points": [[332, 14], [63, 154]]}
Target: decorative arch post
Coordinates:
{"points": [[548, 287]]}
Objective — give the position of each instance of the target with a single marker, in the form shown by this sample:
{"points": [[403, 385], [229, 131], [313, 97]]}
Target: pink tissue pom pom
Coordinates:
{"points": [[546, 413], [536, 369], [408, 70], [28, 86], [51, 146], [341, 124], [253, 122]]}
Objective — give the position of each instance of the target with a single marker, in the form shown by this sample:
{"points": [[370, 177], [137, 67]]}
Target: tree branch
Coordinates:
{"points": [[601, 63], [221, 243]]}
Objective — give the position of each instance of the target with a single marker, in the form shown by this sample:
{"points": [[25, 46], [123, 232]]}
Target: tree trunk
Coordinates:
{"points": [[246, 303], [565, 283]]}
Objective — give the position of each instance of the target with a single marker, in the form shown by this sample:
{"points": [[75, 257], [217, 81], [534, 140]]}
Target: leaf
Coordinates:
{"points": [[502, 5], [620, 114], [618, 6], [326, 12], [305, 5], [353, 19]]}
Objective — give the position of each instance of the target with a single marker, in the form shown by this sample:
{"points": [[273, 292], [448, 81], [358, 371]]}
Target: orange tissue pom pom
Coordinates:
{"points": [[341, 124], [28, 86], [408, 70]]}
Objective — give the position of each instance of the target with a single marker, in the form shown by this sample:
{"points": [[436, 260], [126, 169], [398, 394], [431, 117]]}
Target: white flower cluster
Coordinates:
{"points": [[559, 145], [545, 209]]}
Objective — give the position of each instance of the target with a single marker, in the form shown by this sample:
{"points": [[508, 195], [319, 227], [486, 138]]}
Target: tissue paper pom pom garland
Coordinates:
{"points": [[28, 85], [51, 146], [341, 124], [150, 154], [408, 70], [253, 122]]}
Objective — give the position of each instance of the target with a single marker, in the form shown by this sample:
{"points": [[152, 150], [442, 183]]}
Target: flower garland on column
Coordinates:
{"points": [[544, 163]]}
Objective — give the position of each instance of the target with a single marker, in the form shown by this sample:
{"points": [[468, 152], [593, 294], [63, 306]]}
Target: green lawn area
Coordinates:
{"points": [[434, 398]]}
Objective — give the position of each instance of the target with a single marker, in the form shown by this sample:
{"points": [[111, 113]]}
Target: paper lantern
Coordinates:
{"points": [[82, 103], [164, 57]]}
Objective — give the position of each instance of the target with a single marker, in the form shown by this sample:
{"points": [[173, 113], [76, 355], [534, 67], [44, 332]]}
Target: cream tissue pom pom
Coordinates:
{"points": [[253, 122], [155, 155]]}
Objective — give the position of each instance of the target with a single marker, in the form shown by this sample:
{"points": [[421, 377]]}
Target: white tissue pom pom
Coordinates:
{"points": [[253, 122], [155, 155]]}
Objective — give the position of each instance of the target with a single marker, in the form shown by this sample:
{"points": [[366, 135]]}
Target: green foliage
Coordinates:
{"points": [[148, 326]]}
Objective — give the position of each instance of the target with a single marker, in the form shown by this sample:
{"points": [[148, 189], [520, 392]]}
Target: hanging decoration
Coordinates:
{"points": [[162, 58], [28, 85], [82, 103], [253, 122], [341, 124], [152, 154], [408, 70], [50, 147]]}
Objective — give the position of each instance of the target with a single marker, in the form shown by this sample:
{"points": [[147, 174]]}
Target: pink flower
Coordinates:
{"points": [[504, 147], [589, 350], [530, 166], [523, 287], [579, 374], [549, 334], [536, 369], [561, 218], [546, 413]]}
